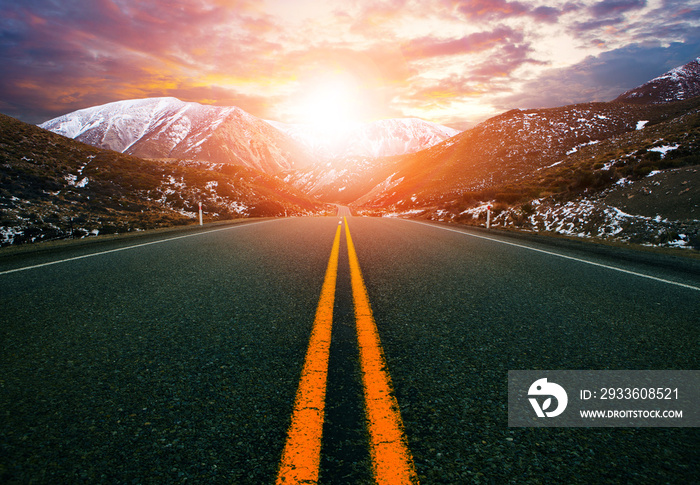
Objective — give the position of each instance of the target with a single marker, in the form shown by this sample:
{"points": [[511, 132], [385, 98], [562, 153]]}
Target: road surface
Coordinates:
{"points": [[177, 358]]}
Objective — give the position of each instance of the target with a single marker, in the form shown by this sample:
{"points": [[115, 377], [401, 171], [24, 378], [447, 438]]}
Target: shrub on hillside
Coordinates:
{"points": [[267, 208], [509, 197]]}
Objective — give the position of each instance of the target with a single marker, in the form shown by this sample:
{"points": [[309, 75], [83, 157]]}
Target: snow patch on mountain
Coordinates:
{"points": [[115, 126], [120, 125]]}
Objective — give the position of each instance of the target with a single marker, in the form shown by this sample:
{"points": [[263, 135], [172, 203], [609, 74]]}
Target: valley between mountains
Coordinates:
{"points": [[624, 170]]}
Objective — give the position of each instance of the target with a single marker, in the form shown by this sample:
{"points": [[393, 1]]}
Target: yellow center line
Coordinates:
{"points": [[302, 450], [391, 458]]}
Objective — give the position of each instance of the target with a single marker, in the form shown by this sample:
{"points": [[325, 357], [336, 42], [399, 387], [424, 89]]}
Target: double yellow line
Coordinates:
{"points": [[391, 459]]}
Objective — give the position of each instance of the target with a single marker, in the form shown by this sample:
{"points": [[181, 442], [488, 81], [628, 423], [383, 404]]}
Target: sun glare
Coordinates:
{"points": [[330, 102]]}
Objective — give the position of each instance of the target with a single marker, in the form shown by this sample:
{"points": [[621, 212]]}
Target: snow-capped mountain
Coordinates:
{"points": [[676, 85], [381, 138], [342, 180], [353, 159], [170, 128]]}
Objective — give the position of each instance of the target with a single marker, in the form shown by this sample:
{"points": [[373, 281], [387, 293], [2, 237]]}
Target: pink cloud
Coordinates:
{"points": [[476, 9], [472, 43], [501, 9], [57, 56]]}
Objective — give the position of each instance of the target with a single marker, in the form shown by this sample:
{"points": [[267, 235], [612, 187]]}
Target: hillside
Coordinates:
{"points": [[505, 148], [55, 187], [636, 181]]}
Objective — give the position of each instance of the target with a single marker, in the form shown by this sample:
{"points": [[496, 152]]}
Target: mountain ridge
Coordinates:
{"points": [[678, 84], [497, 151], [381, 138], [169, 127]]}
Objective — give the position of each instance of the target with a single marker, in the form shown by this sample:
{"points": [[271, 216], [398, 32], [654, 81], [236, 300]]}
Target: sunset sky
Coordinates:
{"points": [[448, 61]]}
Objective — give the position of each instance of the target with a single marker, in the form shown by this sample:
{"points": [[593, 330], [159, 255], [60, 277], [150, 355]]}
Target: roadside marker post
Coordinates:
{"points": [[201, 222], [488, 216]]}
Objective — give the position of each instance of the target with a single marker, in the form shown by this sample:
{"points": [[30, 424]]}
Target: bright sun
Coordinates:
{"points": [[331, 101]]}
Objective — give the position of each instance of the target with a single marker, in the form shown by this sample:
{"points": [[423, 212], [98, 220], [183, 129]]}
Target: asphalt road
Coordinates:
{"points": [[176, 358]]}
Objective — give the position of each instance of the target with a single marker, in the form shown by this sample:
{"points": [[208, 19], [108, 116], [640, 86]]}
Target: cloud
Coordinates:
{"points": [[502, 66], [672, 21], [472, 43], [74, 54], [597, 24], [480, 9], [608, 13], [546, 14], [502, 9], [370, 16], [446, 90], [464, 98], [62, 55], [616, 7]]}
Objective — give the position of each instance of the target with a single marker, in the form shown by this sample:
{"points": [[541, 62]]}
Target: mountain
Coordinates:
{"points": [[625, 170], [608, 170], [502, 149], [353, 159], [676, 85], [170, 128], [376, 139], [342, 180], [493, 152], [53, 187]]}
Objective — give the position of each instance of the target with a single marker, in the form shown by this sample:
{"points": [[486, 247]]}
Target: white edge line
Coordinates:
{"points": [[642, 275], [25, 268]]}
